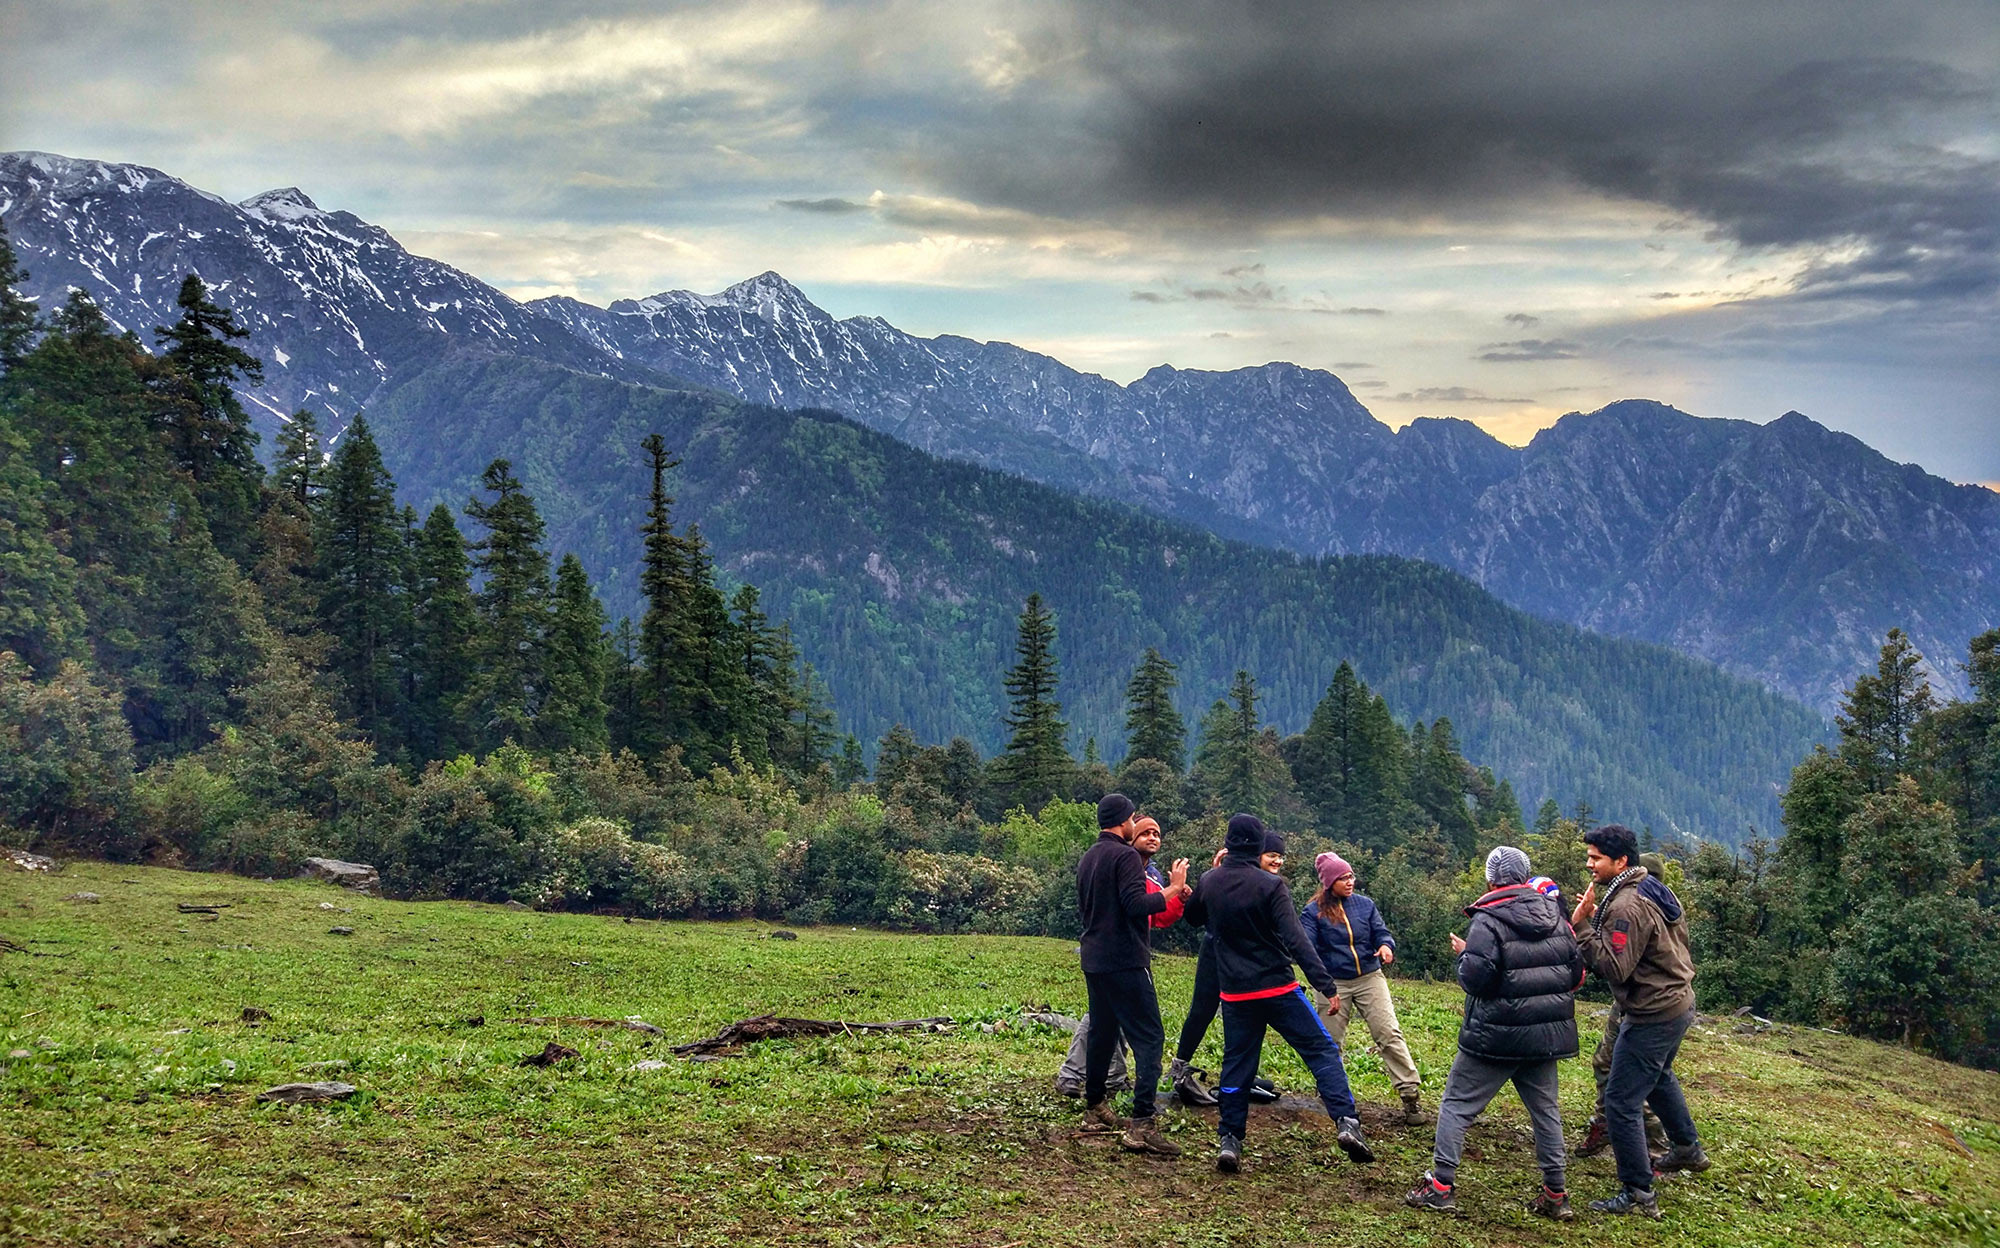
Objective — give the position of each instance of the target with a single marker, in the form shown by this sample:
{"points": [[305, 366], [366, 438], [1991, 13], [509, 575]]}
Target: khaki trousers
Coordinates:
{"points": [[1369, 998]]}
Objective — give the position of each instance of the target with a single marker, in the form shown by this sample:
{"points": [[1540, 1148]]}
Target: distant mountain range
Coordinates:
{"points": [[1782, 551]]}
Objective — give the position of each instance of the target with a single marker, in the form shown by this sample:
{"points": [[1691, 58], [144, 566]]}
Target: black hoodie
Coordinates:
{"points": [[1253, 930], [1520, 971]]}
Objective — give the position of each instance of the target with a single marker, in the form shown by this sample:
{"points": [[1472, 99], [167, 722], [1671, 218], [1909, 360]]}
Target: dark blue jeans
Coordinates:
{"points": [[1642, 1074], [1123, 1003], [1293, 1017]]}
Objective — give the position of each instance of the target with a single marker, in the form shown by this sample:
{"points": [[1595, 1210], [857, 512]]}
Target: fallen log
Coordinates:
{"points": [[629, 1024], [772, 1027]]}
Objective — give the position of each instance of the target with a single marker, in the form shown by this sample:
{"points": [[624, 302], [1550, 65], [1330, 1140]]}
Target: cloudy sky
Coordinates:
{"points": [[1496, 209]]}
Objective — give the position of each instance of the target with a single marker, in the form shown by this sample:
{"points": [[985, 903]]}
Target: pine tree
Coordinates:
{"points": [[669, 646], [18, 319], [624, 686], [1909, 963], [572, 715], [1035, 766], [764, 705], [1227, 758], [298, 467], [359, 550], [508, 681], [1439, 785], [208, 433], [1153, 728], [1880, 714], [443, 622], [1349, 765]]}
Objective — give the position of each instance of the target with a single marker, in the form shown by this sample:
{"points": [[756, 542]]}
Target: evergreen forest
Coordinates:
{"points": [[226, 662]]}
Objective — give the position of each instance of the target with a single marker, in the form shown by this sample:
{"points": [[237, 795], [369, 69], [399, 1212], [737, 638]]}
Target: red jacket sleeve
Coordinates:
{"points": [[1172, 914]]}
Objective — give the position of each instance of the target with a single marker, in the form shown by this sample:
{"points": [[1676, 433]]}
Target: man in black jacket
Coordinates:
{"points": [[1520, 968], [1115, 904], [1256, 936]]}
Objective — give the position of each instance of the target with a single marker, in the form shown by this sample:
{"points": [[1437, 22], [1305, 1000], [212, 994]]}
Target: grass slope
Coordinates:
{"points": [[132, 1119]]}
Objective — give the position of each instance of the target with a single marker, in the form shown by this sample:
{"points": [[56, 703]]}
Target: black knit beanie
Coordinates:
{"points": [[1245, 832], [1274, 843], [1113, 809]]}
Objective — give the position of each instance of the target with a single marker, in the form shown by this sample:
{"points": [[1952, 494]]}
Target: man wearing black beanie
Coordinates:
{"points": [[1249, 916], [1114, 903]]}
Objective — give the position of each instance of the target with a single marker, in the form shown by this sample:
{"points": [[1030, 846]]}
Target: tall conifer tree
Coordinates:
{"points": [[508, 681], [1153, 728], [444, 623], [360, 551], [1036, 765], [18, 317], [208, 432], [572, 714]]}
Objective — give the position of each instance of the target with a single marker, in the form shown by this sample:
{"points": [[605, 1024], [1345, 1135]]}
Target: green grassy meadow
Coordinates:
{"points": [[128, 1111]]}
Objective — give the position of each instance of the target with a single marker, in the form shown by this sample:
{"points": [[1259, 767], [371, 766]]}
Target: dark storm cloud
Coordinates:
{"points": [[1452, 394], [1523, 319], [1527, 349], [1859, 127], [823, 207]]}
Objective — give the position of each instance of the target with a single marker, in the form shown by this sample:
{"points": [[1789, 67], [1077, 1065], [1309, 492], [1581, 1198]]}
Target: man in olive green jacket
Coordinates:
{"points": [[1637, 942], [1597, 1135]]}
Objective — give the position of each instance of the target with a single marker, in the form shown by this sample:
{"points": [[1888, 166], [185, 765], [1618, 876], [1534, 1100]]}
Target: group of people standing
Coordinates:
{"points": [[1520, 961]]}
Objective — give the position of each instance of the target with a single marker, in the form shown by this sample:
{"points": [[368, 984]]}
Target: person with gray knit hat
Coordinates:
{"points": [[1520, 967]]}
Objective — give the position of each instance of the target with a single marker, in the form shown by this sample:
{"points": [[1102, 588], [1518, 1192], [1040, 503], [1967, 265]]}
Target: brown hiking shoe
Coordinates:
{"points": [[1413, 1112], [1596, 1137], [1142, 1135], [1098, 1119]]}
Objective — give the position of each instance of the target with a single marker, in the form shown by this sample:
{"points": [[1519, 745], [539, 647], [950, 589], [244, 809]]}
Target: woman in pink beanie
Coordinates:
{"points": [[1347, 931]]}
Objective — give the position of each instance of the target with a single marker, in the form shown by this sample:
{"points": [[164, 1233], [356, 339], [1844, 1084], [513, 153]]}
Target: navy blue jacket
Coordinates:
{"points": [[1254, 932], [1520, 971], [1347, 939], [1114, 903]]}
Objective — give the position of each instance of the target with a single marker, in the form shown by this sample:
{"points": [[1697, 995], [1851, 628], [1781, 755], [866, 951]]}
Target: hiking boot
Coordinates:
{"points": [[1187, 1085], [1656, 1134], [1229, 1157], [1641, 1201], [1548, 1204], [1413, 1112], [1432, 1195], [1072, 1090], [1690, 1157], [1596, 1137], [1352, 1142], [1142, 1135], [1262, 1091], [1098, 1119]]}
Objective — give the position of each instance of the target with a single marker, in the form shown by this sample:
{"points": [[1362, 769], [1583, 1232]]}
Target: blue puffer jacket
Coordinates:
{"points": [[1520, 971], [1346, 939]]}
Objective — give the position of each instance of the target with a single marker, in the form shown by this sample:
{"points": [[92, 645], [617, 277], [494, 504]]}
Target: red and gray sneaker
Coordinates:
{"points": [[1596, 1137], [1432, 1195], [1548, 1204]]}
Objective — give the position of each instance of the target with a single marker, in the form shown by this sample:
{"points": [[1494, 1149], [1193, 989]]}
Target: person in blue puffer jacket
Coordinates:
{"points": [[1348, 933]]}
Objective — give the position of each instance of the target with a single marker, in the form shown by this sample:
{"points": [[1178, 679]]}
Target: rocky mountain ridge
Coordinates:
{"points": [[1782, 551]]}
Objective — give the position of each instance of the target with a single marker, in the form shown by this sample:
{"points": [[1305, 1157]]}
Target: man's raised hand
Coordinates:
{"points": [[1178, 878], [1586, 906]]}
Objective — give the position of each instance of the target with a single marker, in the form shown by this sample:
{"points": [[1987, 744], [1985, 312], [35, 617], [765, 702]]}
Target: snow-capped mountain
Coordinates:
{"points": [[336, 307], [1783, 552]]}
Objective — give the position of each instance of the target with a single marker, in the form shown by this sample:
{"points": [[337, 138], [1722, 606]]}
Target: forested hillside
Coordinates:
{"points": [[901, 575]]}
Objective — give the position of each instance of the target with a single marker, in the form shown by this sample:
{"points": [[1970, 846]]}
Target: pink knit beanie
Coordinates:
{"points": [[1331, 867]]}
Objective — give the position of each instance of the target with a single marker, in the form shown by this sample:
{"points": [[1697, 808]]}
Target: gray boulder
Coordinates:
{"points": [[358, 876]]}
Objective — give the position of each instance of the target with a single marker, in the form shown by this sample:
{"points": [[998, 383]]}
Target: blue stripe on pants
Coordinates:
{"points": [[1292, 1017]]}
